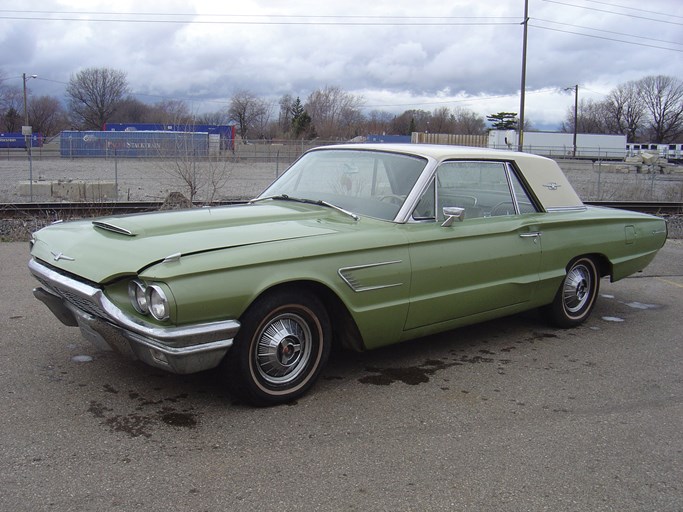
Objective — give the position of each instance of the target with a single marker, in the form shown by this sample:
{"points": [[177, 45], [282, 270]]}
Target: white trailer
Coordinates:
{"points": [[561, 145]]}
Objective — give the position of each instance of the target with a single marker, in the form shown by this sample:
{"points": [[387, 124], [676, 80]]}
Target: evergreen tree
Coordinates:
{"points": [[301, 121], [503, 121]]}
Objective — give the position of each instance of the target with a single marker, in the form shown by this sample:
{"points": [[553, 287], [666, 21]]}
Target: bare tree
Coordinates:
{"points": [[624, 111], [11, 107], [132, 110], [663, 99], [47, 115], [249, 112], [11, 121], [468, 122], [334, 112], [94, 94], [591, 118], [219, 118], [442, 121], [203, 175], [172, 112], [203, 178], [411, 121], [285, 116], [378, 122], [262, 126]]}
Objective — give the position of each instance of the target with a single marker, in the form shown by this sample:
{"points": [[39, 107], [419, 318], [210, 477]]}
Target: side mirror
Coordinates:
{"points": [[452, 213]]}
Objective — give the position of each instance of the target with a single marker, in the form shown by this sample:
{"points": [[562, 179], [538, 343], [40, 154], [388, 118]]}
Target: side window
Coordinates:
{"points": [[480, 187], [425, 207], [524, 202]]}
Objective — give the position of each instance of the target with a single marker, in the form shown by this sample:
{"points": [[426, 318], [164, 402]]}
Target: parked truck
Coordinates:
{"points": [[561, 145]]}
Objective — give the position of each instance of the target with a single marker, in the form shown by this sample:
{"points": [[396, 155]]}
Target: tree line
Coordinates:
{"points": [[645, 110], [649, 109]]}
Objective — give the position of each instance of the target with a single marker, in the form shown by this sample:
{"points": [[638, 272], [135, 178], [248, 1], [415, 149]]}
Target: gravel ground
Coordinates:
{"points": [[142, 180], [154, 180]]}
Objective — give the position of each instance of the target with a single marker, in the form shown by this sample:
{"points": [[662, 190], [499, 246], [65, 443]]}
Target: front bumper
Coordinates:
{"points": [[181, 349]]}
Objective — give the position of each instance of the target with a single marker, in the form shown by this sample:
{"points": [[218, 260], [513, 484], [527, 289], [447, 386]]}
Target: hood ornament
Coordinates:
{"points": [[552, 186], [61, 256]]}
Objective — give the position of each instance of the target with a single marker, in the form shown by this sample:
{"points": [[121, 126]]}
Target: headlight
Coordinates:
{"points": [[138, 297], [157, 302]]}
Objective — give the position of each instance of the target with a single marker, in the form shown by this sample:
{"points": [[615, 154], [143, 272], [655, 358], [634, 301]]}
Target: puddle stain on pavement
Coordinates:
{"points": [[143, 422]]}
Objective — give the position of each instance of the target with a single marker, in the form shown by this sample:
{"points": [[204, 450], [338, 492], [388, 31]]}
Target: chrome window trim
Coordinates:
{"points": [[511, 188], [405, 213]]}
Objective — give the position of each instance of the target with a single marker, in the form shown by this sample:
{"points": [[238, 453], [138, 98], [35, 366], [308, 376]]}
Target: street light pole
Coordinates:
{"points": [[522, 87], [576, 115], [27, 131]]}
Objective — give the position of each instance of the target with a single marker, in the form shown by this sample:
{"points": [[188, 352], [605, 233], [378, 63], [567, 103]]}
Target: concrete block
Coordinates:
{"points": [[100, 190], [40, 188], [69, 190]]}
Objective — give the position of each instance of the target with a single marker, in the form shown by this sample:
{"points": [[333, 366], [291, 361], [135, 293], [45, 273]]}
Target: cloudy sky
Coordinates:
{"points": [[396, 54]]}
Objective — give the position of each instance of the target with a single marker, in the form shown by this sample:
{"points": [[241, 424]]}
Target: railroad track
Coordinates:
{"points": [[655, 207], [84, 209]]}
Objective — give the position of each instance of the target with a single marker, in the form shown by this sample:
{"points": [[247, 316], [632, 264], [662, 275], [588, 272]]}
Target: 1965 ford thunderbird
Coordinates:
{"points": [[362, 245]]}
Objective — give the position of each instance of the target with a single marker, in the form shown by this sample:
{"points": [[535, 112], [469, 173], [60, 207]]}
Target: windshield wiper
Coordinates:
{"points": [[319, 202]]}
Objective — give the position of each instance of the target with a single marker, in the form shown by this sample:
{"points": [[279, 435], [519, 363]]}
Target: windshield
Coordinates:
{"points": [[372, 183]]}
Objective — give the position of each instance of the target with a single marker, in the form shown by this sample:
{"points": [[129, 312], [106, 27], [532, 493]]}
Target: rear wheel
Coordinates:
{"points": [[575, 299], [282, 345]]}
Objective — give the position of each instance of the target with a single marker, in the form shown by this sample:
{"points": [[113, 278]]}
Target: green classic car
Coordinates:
{"points": [[362, 245]]}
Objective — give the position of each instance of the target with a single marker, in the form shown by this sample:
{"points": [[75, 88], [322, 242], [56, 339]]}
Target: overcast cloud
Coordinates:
{"points": [[396, 54]]}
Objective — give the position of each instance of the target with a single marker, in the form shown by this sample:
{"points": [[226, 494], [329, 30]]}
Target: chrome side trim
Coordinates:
{"points": [[346, 273], [107, 226], [172, 258], [567, 209], [70, 289]]}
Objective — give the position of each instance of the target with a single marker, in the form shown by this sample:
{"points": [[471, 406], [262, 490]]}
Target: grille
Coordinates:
{"points": [[81, 303]]}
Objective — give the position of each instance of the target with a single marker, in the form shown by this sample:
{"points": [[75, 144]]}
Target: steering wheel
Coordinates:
{"points": [[504, 208]]}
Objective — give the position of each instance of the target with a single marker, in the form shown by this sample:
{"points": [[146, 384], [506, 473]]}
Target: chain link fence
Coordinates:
{"points": [[245, 170]]}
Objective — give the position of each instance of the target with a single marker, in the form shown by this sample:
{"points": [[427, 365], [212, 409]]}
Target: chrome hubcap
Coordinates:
{"points": [[577, 286], [283, 349]]}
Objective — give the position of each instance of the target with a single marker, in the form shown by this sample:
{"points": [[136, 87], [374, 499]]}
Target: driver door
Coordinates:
{"points": [[487, 261]]}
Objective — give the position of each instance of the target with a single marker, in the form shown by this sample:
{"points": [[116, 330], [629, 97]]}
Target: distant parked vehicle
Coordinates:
{"points": [[17, 140]]}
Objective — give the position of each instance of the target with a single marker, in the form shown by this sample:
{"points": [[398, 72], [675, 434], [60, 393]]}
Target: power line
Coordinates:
{"points": [[614, 12], [348, 16], [608, 38], [639, 9], [464, 100], [261, 19], [608, 32]]}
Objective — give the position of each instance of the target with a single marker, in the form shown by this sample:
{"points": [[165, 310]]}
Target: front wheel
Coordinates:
{"points": [[280, 349], [575, 299]]}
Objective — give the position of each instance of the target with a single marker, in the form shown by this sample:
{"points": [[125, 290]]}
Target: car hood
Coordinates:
{"points": [[104, 249]]}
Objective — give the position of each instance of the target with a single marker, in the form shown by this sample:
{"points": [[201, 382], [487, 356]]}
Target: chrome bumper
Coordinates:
{"points": [[183, 349]]}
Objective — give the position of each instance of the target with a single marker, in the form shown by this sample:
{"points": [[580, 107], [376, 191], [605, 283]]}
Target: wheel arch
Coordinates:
{"points": [[345, 330], [602, 263]]}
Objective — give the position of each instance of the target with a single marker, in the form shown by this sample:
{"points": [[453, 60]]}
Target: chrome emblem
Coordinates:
{"points": [[60, 256], [552, 186]]}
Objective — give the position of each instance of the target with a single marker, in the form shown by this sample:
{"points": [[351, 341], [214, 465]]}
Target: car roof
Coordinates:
{"points": [[543, 174], [440, 151]]}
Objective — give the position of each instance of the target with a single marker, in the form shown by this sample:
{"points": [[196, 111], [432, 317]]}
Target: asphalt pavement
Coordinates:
{"points": [[510, 415]]}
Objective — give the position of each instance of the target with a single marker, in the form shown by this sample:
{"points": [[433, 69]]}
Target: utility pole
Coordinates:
{"points": [[27, 132], [576, 115], [522, 87]]}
